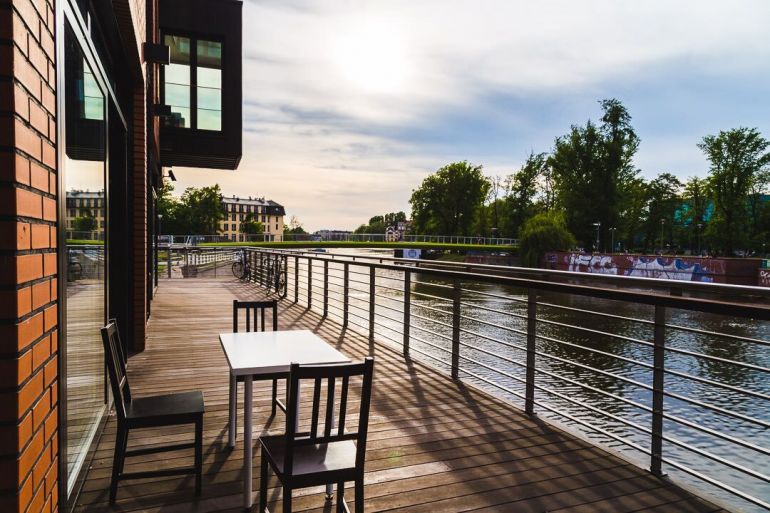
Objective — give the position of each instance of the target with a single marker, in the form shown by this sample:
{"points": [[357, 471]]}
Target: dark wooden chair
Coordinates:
{"points": [[144, 412], [303, 459], [255, 310]]}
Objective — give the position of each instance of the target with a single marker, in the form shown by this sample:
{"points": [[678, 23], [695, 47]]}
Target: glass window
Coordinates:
{"points": [[194, 76], [177, 82], [84, 180]]}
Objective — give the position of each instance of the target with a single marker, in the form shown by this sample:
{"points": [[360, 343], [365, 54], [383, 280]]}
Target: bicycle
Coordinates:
{"points": [[275, 276], [240, 267]]}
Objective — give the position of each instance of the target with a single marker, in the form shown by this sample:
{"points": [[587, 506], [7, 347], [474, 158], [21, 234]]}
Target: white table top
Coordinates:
{"points": [[268, 352]]}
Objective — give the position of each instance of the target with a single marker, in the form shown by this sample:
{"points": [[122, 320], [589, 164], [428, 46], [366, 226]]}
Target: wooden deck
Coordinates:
{"points": [[434, 444]]}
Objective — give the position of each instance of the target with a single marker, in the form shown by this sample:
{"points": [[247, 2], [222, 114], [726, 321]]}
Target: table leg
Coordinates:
{"points": [[247, 441], [233, 412]]}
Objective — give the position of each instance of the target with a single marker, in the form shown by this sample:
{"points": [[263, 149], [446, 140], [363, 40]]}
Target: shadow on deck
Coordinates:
{"points": [[434, 444]]}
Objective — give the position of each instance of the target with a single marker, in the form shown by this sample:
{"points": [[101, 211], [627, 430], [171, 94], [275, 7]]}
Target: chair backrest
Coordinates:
{"points": [[121, 350], [330, 374], [253, 308], [116, 368]]}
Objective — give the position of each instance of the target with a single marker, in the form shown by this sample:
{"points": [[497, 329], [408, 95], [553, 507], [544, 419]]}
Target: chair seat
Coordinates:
{"points": [[311, 459], [167, 408]]}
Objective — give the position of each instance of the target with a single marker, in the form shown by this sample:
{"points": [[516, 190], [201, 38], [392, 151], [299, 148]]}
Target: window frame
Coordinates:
{"points": [[194, 38]]}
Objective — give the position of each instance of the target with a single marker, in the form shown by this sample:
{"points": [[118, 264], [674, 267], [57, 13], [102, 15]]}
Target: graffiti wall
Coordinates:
{"points": [[716, 270]]}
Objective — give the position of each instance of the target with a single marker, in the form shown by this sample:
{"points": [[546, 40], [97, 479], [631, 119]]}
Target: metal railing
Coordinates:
{"points": [[193, 262], [674, 287], [193, 240], [680, 382]]}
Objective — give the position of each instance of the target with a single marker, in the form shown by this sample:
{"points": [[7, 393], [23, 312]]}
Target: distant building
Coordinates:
{"points": [[84, 205], [237, 210], [331, 235]]}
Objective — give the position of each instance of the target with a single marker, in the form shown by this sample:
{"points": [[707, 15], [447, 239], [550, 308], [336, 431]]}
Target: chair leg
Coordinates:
{"points": [[341, 497], [275, 394], [286, 499], [360, 494], [263, 484], [198, 456], [118, 459]]}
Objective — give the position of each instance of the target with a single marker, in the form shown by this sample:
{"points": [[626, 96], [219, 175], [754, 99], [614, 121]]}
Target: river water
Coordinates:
{"points": [[492, 338]]}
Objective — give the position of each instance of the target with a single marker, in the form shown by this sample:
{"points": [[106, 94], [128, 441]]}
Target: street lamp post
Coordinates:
{"points": [[700, 225], [157, 252], [598, 225], [612, 240], [662, 223]]}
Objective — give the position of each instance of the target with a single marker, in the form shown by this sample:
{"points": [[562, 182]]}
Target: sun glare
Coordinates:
{"points": [[373, 58]]}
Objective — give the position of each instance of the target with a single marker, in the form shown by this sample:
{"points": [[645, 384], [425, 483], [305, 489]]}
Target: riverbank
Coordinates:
{"points": [[364, 244]]}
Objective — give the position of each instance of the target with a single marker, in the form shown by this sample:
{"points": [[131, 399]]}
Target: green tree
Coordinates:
{"points": [[448, 201], [376, 224], [198, 211], [661, 212], [543, 232], [203, 209], [739, 160], [84, 223], [592, 166], [522, 189], [694, 206], [251, 226], [393, 218], [294, 227], [633, 213]]}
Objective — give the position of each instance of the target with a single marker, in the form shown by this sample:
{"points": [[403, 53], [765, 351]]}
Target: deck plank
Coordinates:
{"points": [[434, 444]]}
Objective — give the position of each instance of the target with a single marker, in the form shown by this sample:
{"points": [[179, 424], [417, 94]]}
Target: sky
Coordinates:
{"points": [[349, 105]]}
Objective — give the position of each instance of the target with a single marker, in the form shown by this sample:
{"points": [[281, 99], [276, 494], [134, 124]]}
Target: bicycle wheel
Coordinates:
{"points": [[238, 269]]}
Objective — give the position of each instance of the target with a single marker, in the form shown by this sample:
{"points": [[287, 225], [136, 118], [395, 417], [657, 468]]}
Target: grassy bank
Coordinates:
{"points": [[362, 244]]}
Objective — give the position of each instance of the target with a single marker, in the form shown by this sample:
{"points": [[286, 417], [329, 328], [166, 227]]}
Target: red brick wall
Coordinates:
{"points": [[28, 263]]}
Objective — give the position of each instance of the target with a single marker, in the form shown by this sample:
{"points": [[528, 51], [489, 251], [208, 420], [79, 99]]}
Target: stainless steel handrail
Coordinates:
{"points": [[372, 315]]}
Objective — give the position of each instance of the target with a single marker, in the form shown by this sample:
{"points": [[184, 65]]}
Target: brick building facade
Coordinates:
{"points": [[80, 100]]}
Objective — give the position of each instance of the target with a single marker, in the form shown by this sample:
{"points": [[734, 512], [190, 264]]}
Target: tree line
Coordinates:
{"points": [[587, 192]]}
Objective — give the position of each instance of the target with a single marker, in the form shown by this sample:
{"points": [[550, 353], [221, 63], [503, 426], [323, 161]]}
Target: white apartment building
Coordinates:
{"points": [[237, 210]]}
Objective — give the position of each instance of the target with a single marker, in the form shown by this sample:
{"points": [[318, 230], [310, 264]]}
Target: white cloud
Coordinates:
{"points": [[325, 126]]}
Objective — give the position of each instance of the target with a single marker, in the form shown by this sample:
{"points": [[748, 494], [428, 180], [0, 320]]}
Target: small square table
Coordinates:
{"points": [[266, 355]]}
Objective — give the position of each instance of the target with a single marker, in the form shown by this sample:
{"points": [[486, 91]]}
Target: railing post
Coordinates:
{"points": [[309, 282], [371, 304], [168, 257], [276, 275], [285, 261], [296, 279], [456, 329], [216, 261], [407, 308], [261, 273], [656, 445], [345, 286], [326, 288], [529, 393]]}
